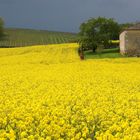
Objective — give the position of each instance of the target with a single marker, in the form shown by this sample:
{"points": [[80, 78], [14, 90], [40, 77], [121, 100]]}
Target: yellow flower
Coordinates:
{"points": [[46, 93]]}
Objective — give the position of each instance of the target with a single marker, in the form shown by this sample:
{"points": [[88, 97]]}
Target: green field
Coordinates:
{"points": [[106, 53], [28, 37]]}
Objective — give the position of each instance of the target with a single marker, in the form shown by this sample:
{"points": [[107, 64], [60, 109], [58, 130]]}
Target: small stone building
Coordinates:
{"points": [[130, 41]]}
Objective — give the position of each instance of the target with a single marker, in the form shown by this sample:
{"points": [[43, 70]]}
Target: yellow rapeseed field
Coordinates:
{"points": [[48, 93]]}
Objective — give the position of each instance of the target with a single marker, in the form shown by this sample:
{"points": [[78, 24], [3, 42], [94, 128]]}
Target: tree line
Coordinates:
{"points": [[1, 28], [94, 33], [99, 32]]}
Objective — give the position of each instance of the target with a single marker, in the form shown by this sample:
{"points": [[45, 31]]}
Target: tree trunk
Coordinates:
{"points": [[94, 49]]}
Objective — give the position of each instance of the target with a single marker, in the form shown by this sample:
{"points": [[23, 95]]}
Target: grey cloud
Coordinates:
{"points": [[65, 15], [7, 2]]}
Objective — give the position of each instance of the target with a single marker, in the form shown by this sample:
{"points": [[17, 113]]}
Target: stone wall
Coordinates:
{"points": [[130, 43], [122, 42]]}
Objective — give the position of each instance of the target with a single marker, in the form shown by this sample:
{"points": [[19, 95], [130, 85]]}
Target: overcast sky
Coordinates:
{"points": [[65, 15]]}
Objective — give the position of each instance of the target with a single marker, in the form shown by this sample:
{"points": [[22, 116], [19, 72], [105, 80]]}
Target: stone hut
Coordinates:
{"points": [[130, 41]]}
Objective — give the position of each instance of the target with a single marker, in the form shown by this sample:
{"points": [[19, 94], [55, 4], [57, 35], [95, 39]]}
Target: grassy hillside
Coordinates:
{"points": [[27, 37]]}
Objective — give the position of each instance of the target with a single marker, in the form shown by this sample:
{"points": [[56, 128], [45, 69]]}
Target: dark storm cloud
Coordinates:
{"points": [[7, 1], [65, 15]]}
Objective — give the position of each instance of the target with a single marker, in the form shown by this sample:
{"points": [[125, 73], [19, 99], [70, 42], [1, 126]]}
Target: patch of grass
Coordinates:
{"points": [[107, 53]]}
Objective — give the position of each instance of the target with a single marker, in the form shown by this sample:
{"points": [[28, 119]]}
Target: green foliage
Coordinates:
{"points": [[1, 28], [126, 25], [97, 32], [28, 37]]}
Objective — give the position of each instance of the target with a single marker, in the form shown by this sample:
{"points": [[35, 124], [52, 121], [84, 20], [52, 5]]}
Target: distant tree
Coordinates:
{"points": [[126, 25], [1, 28], [97, 32]]}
